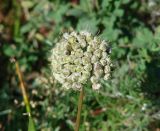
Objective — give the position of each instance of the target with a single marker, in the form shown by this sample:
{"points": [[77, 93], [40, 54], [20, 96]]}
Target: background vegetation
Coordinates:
{"points": [[129, 101]]}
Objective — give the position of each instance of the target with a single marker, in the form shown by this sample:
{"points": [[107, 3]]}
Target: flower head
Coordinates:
{"points": [[79, 58]]}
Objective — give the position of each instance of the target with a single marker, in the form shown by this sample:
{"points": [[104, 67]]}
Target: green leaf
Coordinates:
{"points": [[76, 12], [10, 50], [119, 12], [88, 24], [59, 13], [144, 38], [85, 5], [31, 126], [105, 3]]}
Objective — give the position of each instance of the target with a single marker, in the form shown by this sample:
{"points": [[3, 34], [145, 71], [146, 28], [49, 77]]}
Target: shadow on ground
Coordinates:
{"points": [[151, 87]]}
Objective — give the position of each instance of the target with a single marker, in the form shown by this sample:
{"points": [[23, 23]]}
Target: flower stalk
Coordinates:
{"points": [[80, 102]]}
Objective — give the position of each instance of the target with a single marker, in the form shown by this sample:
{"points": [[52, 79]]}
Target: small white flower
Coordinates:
{"points": [[66, 35], [90, 48], [98, 73], [74, 33], [83, 79], [102, 47], [97, 53], [72, 52], [97, 66], [88, 67], [78, 61], [103, 62], [94, 79], [78, 86], [104, 55], [88, 55], [75, 46], [71, 40], [85, 33], [66, 72], [107, 69], [67, 86], [83, 44], [94, 59], [85, 60], [144, 107], [106, 76], [96, 86], [79, 53], [79, 68]]}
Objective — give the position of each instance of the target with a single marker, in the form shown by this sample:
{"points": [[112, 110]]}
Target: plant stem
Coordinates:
{"points": [[25, 97], [31, 125], [80, 101]]}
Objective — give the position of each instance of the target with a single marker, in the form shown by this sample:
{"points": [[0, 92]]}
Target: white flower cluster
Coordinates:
{"points": [[79, 58]]}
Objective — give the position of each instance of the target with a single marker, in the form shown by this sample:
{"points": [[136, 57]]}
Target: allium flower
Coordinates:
{"points": [[79, 58]]}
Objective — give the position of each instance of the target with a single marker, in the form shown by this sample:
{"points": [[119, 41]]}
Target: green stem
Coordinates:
{"points": [[17, 18], [31, 126], [80, 101]]}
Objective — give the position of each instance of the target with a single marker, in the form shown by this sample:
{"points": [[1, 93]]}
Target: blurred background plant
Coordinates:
{"points": [[130, 100]]}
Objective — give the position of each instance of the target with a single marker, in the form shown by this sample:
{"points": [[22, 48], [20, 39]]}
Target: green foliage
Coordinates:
{"points": [[128, 101], [31, 125]]}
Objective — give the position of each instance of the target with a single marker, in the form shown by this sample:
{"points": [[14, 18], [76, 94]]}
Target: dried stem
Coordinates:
{"points": [[80, 101], [31, 126], [25, 97]]}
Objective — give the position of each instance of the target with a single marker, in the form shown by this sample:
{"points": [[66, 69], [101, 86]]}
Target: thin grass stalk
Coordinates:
{"points": [[80, 102], [31, 126], [22, 87]]}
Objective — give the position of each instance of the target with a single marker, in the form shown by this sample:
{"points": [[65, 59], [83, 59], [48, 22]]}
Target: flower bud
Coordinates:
{"points": [[98, 53], [66, 72], [66, 35], [82, 42], [98, 73], [107, 69], [88, 67], [78, 86], [66, 59], [85, 60], [79, 68], [94, 79], [97, 66], [74, 76], [67, 86], [89, 38], [90, 49], [102, 47], [103, 62], [79, 53], [83, 79], [97, 40], [86, 74], [106, 76], [59, 77], [94, 59], [74, 34], [78, 61], [104, 55], [71, 40], [75, 46], [88, 55]]}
